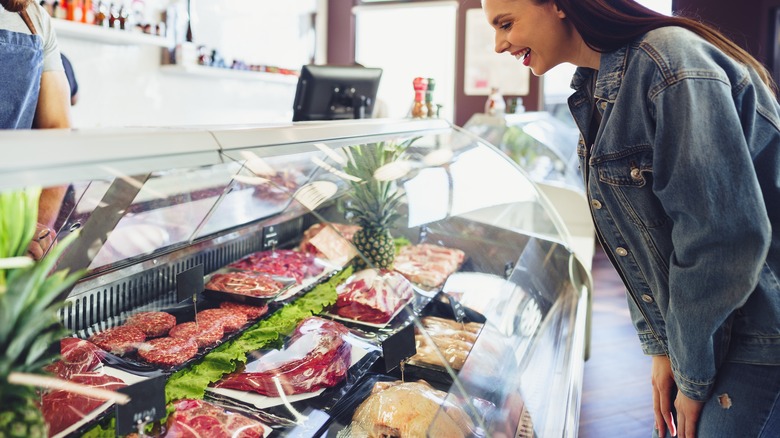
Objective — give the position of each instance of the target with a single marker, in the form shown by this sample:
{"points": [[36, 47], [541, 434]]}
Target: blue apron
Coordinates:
{"points": [[20, 78]]}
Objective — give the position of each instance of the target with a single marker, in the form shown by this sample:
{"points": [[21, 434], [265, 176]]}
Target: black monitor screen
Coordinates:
{"points": [[327, 92]]}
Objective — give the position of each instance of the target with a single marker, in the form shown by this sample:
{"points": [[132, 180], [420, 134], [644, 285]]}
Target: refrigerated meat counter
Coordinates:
{"points": [[374, 265]]}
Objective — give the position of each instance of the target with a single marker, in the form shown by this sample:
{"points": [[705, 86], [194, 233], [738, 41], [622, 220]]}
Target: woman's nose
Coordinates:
{"points": [[501, 44]]}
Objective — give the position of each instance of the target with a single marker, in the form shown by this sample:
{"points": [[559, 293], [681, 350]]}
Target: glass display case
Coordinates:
{"points": [[394, 267], [545, 147]]}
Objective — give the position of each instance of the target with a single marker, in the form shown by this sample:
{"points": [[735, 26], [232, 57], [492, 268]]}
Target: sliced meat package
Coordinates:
{"points": [[454, 341], [331, 241], [372, 296], [426, 264], [281, 262], [315, 356], [409, 409], [76, 356], [61, 409], [198, 418], [249, 283]]}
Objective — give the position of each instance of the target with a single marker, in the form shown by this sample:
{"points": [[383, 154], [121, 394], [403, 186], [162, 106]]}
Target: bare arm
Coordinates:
{"points": [[53, 109]]}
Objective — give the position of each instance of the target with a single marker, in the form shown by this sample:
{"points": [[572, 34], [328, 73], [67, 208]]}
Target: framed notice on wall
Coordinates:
{"points": [[484, 68]]}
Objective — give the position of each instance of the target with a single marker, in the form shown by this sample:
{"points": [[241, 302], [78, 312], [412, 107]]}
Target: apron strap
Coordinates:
{"points": [[27, 21]]}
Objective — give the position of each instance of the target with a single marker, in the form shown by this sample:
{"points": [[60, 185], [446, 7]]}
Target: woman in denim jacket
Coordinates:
{"points": [[680, 151]]}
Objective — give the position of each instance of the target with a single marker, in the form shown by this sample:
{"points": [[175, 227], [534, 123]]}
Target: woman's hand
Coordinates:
{"points": [[42, 241], [688, 412], [663, 390]]}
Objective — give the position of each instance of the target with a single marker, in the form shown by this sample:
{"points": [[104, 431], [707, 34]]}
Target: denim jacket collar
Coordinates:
{"points": [[610, 75]]}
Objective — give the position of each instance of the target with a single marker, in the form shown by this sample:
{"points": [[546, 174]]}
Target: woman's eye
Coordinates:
{"points": [[506, 26]]}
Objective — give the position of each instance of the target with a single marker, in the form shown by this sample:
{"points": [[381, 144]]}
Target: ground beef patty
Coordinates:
{"points": [[153, 324], [205, 335], [168, 351], [230, 320], [119, 340], [251, 312]]}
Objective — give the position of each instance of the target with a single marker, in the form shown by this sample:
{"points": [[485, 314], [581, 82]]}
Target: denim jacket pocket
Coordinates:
{"points": [[629, 176]]}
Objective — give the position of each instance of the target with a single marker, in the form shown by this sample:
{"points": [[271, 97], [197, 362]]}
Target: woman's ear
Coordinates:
{"points": [[559, 11]]}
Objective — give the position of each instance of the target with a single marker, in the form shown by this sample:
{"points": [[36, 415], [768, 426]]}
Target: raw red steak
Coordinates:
{"points": [[281, 262], [372, 296], [153, 324], [198, 418], [119, 340], [205, 335], [250, 283], [168, 351], [61, 409], [316, 356], [251, 312], [229, 320], [76, 356]]}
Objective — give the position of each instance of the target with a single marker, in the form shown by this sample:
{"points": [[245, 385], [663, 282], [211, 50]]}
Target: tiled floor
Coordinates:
{"points": [[616, 399]]}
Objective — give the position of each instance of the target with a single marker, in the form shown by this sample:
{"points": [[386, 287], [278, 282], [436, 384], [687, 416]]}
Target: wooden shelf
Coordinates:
{"points": [[226, 73], [105, 35]]}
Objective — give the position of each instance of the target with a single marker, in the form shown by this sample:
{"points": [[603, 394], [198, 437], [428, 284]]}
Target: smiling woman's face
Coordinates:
{"points": [[537, 34]]}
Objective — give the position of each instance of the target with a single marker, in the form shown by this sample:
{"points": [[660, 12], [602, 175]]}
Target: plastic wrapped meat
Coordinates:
{"points": [[61, 409], [316, 356], [197, 418], [330, 241], [76, 356], [282, 262], [454, 351], [453, 339], [428, 265], [372, 296], [409, 409]]}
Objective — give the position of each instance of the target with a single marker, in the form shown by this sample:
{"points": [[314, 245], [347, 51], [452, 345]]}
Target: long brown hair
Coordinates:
{"points": [[606, 25]]}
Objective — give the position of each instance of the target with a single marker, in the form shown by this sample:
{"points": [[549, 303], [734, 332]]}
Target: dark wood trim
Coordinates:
{"points": [[341, 32]]}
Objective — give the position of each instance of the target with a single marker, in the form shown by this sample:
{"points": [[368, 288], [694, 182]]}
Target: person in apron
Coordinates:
{"points": [[31, 97]]}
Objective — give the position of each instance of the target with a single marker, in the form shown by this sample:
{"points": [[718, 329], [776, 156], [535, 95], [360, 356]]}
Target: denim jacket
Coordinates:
{"points": [[683, 180]]}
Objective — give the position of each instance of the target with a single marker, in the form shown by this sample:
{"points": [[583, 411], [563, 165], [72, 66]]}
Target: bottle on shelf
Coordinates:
{"points": [[495, 105], [101, 17], [61, 10], [418, 108], [87, 12], [429, 105]]}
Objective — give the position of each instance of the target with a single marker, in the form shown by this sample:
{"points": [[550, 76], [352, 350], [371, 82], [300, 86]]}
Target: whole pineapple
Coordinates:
{"points": [[29, 325], [374, 202]]}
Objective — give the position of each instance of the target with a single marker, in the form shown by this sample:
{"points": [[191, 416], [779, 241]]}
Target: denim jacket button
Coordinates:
{"points": [[604, 105], [636, 173], [621, 251], [647, 298], [596, 204]]}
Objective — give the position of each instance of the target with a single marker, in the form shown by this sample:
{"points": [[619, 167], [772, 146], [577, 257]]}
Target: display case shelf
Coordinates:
{"points": [[98, 34], [226, 73]]}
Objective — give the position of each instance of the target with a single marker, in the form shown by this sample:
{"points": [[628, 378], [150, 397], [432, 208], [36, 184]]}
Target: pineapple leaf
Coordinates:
{"points": [[25, 335], [24, 286], [39, 348]]}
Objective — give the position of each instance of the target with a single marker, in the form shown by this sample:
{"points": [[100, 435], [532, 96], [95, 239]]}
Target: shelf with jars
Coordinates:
{"points": [[105, 35], [229, 73]]}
